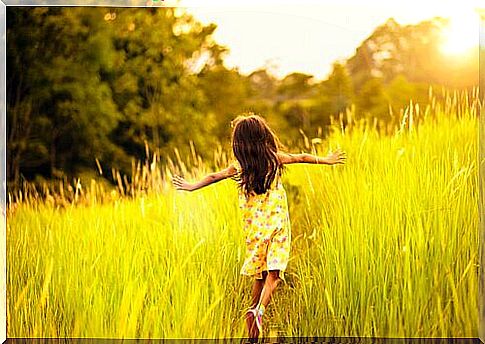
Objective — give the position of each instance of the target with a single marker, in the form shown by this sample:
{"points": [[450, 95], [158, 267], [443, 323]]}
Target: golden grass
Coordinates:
{"points": [[386, 245]]}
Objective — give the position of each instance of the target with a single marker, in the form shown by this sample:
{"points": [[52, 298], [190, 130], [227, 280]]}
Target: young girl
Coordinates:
{"points": [[257, 169]]}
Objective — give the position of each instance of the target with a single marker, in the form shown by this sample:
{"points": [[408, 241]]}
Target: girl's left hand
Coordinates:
{"points": [[181, 184], [337, 157]]}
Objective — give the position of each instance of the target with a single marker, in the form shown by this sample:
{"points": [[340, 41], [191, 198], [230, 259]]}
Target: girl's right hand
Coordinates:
{"points": [[181, 184]]}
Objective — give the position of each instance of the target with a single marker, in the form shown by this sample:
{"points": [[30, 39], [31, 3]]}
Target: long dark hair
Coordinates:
{"points": [[255, 147]]}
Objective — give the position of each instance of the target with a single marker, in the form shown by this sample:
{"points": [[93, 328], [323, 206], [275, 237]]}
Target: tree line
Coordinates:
{"points": [[91, 85]]}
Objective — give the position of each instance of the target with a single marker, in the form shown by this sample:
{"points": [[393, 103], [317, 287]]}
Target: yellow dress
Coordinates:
{"points": [[267, 229]]}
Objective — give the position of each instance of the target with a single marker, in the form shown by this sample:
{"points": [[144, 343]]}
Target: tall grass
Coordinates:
{"points": [[386, 245]]}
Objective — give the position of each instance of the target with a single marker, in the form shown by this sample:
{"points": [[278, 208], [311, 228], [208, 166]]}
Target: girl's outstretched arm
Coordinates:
{"points": [[181, 184], [337, 157]]}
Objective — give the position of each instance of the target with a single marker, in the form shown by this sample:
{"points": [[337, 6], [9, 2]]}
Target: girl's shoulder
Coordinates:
{"points": [[236, 176], [236, 165]]}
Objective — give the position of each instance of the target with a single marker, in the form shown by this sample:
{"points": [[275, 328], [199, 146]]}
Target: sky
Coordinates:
{"points": [[309, 36]]}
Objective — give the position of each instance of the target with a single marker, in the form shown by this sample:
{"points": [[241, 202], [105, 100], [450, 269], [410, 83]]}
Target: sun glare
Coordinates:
{"points": [[461, 34]]}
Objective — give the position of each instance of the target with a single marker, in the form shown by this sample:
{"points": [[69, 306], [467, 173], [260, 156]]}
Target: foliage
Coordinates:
{"points": [[97, 88], [413, 51], [100, 84]]}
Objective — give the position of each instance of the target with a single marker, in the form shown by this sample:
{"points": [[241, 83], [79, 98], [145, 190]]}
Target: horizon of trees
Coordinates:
{"points": [[104, 84]]}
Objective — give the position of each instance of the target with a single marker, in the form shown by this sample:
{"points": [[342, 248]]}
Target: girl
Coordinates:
{"points": [[257, 169]]}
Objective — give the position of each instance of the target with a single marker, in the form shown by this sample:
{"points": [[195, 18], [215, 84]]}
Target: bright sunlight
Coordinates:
{"points": [[462, 32]]}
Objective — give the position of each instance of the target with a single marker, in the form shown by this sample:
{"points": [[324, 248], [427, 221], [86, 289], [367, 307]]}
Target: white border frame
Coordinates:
{"points": [[3, 170], [170, 3], [481, 181]]}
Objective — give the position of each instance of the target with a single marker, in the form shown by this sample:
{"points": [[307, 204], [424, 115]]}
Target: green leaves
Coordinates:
{"points": [[102, 83]]}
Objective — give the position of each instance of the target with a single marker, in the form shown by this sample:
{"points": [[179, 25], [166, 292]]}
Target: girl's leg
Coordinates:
{"points": [[256, 296], [272, 280], [257, 289], [270, 284]]}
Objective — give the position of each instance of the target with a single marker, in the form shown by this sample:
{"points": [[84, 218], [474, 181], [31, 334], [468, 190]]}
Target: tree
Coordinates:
{"points": [[412, 51], [161, 83], [263, 85], [372, 101], [400, 91], [59, 110], [294, 85], [87, 83], [336, 93], [226, 92]]}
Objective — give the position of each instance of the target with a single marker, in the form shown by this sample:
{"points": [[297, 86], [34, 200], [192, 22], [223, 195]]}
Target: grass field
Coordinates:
{"points": [[386, 245]]}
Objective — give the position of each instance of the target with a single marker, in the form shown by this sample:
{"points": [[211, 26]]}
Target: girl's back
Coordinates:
{"points": [[266, 226], [264, 210]]}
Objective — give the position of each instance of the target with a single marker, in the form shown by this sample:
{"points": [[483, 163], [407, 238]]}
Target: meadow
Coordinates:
{"points": [[385, 245]]}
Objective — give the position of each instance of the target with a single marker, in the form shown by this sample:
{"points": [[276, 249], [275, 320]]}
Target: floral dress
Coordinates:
{"points": [[267, 229]]}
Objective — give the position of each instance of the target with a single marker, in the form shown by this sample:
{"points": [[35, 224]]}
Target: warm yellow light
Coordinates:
{"points": [[461, 34]]}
